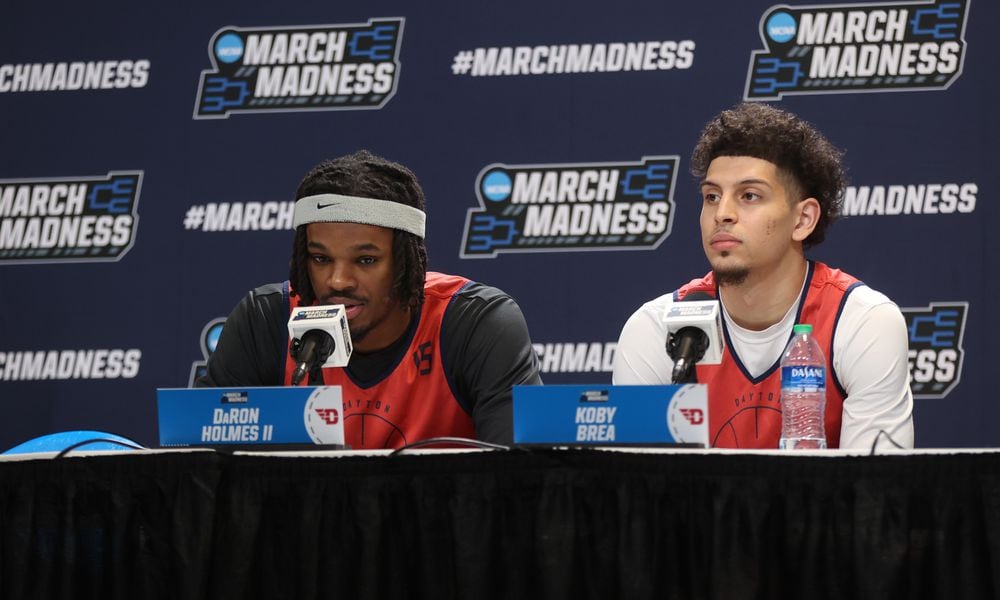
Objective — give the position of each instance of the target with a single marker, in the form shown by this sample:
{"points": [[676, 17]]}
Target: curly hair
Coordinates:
{"points": [[366, 175], [802, 154]]}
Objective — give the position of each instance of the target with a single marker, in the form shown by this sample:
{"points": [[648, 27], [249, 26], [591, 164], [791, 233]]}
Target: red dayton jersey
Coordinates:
{"points": [[413, 400], [745, 412]]}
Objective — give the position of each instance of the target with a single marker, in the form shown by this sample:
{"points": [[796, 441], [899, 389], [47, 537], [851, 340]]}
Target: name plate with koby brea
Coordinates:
{"points": [[608, 415], [283, 416]]}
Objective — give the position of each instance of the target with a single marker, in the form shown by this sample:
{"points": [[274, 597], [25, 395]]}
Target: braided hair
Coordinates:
{"points": [[366, 175]]}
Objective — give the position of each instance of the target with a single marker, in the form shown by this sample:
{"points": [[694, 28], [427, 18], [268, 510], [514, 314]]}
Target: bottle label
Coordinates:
{"points": [[807, 379]]}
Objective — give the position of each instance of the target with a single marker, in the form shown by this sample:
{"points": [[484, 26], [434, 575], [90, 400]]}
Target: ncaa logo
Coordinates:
{"points": [[781, 27], [496, 186], [229, 48]]}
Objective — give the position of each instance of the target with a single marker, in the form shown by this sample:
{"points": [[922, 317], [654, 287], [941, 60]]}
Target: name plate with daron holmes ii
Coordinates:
{"points": [[253, 416], [608, 415]]}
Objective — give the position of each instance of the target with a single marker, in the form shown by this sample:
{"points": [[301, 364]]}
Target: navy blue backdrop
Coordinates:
{"points": [[148, 160]]}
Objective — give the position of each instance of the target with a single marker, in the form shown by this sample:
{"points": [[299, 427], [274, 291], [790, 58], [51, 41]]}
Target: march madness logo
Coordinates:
{"points": [[73, 219], [837, 48], [317, 67], [936, 350], [569, 207], [209, 340]]}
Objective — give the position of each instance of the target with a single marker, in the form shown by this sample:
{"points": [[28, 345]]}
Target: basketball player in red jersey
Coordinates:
{"points": [[435, 355]]}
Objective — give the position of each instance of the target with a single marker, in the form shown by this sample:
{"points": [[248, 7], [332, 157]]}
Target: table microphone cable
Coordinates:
{"points": [[459, 441], [878, 436], [65, 451]]}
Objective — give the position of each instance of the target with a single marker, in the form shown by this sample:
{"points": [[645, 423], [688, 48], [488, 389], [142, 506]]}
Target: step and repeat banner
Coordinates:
{"points": [[150, 158]]}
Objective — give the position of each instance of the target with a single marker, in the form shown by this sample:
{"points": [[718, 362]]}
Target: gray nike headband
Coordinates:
{"points": [[335, 208]]}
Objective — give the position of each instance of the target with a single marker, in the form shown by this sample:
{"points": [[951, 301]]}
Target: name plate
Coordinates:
{"points": [[250, 416], [606, 415]]}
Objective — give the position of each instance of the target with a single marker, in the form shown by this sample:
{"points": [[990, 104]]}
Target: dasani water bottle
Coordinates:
{"points": [[803, 392]]}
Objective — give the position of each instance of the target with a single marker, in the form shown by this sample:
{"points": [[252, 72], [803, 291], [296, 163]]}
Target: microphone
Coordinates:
{"points": [[694, 334], [319, 336]]}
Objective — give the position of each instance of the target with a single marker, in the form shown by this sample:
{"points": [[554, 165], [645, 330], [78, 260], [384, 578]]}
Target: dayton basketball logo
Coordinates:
{"points": [[842, 48], [316, 67], [570, 207], [687, 415], [322, 415]]}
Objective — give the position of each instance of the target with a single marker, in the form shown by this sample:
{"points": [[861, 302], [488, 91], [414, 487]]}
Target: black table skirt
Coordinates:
{"points": [[512, 524]]}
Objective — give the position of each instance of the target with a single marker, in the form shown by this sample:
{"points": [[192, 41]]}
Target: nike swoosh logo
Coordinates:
{"points": [[322, 206]]}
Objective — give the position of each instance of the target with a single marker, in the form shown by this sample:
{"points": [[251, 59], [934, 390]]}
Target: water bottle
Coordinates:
{"points": [[803, 392]]}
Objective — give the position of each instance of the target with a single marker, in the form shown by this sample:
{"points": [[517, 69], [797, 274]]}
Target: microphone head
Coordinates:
{"points": [[695, 336], [704, 315], [312, 350], [330, 319], [315, 342]]}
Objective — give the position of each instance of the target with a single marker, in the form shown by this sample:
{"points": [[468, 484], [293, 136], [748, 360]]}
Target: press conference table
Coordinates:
{"points": [[502, 524]]}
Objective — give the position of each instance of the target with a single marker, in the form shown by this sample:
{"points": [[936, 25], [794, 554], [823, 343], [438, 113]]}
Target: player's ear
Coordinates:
{"points": [[807, 212]]}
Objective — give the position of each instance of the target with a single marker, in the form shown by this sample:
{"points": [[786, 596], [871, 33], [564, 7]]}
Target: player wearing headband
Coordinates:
{"points": [[434, 355]]}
